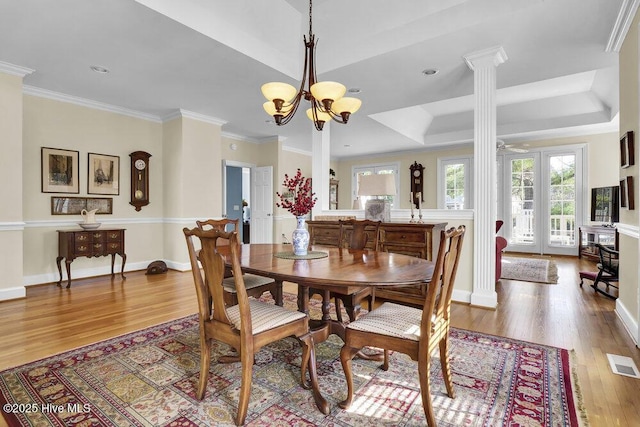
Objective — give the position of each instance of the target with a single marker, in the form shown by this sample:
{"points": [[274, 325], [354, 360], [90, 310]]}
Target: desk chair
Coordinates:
{"points": [[255, 285], [247, 326], [412, 331], [607, 270]]}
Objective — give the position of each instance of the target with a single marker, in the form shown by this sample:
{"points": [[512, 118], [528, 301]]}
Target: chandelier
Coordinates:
{"points": [[326, 98]]}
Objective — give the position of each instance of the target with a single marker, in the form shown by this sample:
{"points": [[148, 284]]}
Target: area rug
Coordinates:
{"points": [[148, 378], [529, 269]]}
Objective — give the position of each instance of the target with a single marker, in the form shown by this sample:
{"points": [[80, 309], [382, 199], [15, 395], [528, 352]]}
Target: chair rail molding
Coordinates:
{"points": [[12, 226], [629, 230]]}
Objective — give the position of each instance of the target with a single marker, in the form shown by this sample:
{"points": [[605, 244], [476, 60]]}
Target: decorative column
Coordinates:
{"points": [[484, 64], [321, 151]]}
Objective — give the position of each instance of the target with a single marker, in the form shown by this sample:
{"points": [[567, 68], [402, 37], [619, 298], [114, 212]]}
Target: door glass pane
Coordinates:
{"points": [[522, 201], [454, 190], [562, 200]]}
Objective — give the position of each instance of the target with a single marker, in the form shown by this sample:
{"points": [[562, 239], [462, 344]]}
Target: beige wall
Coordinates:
{"points": [[49, 123], [627, 303], [289, 162], [601, 160], [11, 213]]}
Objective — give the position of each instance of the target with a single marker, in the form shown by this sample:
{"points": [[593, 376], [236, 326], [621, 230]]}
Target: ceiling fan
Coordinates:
{"points": [[501, 146]]}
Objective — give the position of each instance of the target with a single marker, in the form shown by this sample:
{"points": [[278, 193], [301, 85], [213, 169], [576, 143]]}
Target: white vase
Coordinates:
{"points": [[300, 237]]}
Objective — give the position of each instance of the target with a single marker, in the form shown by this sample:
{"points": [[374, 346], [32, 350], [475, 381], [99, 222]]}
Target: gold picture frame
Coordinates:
{"points": [[59, 170]]}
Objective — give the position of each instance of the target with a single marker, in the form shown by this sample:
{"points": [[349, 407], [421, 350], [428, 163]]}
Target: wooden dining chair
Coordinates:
{"points": [[247, 326], [255, 285], [412, 331], [354, 234]]}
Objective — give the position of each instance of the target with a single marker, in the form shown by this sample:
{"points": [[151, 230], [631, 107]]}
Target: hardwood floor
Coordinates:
{"points": [[51, 320]]}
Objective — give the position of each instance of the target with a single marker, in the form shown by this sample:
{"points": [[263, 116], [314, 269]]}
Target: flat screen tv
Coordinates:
{"points": [[605, 204]]}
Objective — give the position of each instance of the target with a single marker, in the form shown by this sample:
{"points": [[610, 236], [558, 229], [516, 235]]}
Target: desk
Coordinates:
{"points": [[94, 243]]}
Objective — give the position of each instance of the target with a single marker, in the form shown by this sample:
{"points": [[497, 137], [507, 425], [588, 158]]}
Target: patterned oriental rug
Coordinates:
{"points": [[148, 378], [529, 269]]}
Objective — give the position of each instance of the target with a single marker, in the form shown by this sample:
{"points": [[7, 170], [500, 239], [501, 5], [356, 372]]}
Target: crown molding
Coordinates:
{"points": [[15, 70], [621, 26], [194, 116], [297, 150], [241, 138], [83, 102]]}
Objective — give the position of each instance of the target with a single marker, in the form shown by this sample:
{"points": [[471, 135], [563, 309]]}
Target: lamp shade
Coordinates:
{"points": [[322, 117], [346, 105], [270, 108], [328, 90], [377, 185], [278, 90]]}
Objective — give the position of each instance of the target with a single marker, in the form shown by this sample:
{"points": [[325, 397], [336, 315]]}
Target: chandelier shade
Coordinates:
{"points": [[326, 98]]}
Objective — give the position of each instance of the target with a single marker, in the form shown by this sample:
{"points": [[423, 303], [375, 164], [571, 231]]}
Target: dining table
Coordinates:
{"points": [[330, 268]]}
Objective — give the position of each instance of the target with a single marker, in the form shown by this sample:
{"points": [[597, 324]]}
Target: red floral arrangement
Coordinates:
{"points": [[298, 199]]}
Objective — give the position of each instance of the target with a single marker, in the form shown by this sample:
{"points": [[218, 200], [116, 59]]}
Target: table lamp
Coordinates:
{"points": [[375, 186]]}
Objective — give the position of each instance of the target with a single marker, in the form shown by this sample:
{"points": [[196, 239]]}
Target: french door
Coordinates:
{"points": [[543, 200]]}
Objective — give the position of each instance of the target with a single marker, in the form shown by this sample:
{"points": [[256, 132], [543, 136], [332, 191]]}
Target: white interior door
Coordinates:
{"points": [[262, 202]]}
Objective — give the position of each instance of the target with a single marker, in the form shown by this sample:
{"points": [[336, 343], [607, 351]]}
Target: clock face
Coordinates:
{"points": [[416, 173], [140, 164]]}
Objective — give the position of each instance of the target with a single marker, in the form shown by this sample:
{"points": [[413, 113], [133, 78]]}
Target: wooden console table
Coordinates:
{"points": [[89, 243]]}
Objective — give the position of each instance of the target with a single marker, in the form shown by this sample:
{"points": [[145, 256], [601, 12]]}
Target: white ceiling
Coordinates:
{"points": [[210, 57]]}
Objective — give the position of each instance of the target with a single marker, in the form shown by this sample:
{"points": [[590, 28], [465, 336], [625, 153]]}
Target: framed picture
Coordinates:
{"points": [[75, 205], [104, 174], [59, 170], [630, 195], [627, 156], [623, 193]]}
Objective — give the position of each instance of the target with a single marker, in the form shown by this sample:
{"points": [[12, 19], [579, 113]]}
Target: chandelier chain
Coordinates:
{"points": [[310, 20]]}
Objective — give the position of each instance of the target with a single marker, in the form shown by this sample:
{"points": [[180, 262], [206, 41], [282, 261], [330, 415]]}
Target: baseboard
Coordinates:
{"points": [[484, 300], [13, 293], [39, 279], [630, 324], [461, 296]]}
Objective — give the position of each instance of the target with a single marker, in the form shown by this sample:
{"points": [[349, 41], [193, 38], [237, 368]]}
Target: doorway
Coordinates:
{"points": [[237, 196], [543, 200]]}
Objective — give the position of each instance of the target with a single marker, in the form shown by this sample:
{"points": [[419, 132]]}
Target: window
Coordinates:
{"points": [[455, 191], [374, 169]]}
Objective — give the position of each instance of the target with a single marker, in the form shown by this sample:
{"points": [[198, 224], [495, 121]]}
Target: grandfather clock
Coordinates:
{"points": [[139, 179], [417, 181]]}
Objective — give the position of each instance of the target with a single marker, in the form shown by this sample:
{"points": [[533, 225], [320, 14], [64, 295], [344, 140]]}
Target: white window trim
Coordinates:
{"points": [[442, 179]]}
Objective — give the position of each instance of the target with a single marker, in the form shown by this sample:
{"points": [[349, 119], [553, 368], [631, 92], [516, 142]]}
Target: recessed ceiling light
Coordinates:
{"points": [[354, 90], [430, 71], [99, 69]]}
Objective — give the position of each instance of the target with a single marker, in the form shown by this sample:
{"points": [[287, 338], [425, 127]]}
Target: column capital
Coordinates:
{"points": [[492, 56]]}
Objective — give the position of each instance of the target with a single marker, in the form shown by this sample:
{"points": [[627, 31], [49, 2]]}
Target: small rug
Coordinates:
{"points": [[529, 269], [148, 378]]}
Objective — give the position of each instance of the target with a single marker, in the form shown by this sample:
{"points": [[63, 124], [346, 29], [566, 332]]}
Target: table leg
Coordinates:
{"points": [[68, 264], [58, 259], [113, 261]]}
